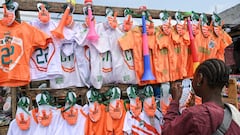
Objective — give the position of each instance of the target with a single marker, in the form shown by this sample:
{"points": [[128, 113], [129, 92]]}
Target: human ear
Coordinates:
{"points": [[199, 79]]}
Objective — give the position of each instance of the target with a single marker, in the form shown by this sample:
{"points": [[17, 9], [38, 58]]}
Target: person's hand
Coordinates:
{"points": [[176, 90]]}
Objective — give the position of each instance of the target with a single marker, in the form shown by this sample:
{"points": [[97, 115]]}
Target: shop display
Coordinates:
{"points": [[95, 54]]}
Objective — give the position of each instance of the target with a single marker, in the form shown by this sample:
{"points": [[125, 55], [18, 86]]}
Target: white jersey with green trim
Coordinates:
{"points": [[45, 63], [69, 69]]}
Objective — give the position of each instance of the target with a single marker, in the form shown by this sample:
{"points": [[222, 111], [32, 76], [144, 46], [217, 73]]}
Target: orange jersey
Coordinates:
{"points": [[224, 41], [162, 53], [99, 127], [180, 46], [133, 40], [117, 124], [17, 43]]}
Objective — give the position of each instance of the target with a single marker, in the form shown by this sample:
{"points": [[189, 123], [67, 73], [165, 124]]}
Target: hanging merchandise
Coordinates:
{"points": [[219, 37], [56, 62], [17, 42], [92, 34], [151, 118], [73, 117], [135, 102], [128, 20], [44, 62], [93, 54], [58, 31], [193, 30], [181, 44], [134, 111], [164, 50], [117, 111], [166, 97], [117, 65], [147, 74], [69, 20], [97, 122], [24, 123], [133, 40], [47, 116], [203, 39], [147, 121]]}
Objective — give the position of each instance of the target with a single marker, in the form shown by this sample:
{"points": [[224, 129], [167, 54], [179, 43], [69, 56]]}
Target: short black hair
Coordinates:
{"points": [[215, 71]]}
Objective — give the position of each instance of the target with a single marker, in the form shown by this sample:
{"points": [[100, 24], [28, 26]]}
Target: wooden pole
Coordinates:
{"points": [[14, 101]]}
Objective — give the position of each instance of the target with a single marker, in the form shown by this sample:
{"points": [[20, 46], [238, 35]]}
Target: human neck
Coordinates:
{"points": [[213, 97]]}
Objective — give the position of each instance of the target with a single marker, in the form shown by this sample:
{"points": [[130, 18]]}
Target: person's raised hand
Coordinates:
{"points": [[176, 90]]}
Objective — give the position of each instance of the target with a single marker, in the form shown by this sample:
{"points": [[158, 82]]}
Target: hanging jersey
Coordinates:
{"points": [[117, 123], [96, 50], [122, 60], [107, 57], [202, 44], [65, 128], [15, 130], [181, 41], [99, 127], [45, 64], [69, 69], [162, 56], [221, 42], [143, 125], [52, 128], [132, 40], [17, 42]]}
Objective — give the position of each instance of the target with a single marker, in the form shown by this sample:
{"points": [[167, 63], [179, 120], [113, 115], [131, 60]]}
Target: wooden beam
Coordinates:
{"points": [[31, 5]]}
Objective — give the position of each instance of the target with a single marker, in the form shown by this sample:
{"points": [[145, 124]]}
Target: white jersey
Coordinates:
{"points": [[134, 125], [15, 130], [107, 65], [122, 61], [96, 49], [78, 129], [69, 69], [53, 126], [45, 64]]}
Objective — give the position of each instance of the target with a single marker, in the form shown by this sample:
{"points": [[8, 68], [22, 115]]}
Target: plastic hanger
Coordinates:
{"points": [[23, 105], [150, 105], [70, 100], [135, 102], [9, 13], [43, 14], [94, 106], [22, 114]]}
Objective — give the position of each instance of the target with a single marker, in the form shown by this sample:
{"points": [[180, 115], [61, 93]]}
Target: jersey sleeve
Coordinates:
{"points": [[40, 39]]}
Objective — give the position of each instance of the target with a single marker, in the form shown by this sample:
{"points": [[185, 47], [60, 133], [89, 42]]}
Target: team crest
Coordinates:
{"points": [[211, 44]]}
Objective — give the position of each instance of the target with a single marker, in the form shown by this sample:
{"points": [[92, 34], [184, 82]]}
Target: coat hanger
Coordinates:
{"points": [[70, 100], [9, 15]]}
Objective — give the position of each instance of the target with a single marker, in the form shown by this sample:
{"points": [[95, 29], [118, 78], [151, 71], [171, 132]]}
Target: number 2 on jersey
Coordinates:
{"points": [[42, 56], [6, 53]]}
